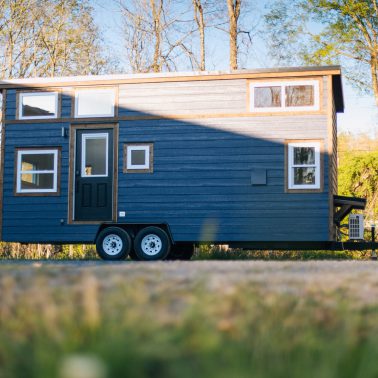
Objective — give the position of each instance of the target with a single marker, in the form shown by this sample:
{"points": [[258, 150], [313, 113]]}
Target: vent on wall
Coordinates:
{"points": [[356, 226]]}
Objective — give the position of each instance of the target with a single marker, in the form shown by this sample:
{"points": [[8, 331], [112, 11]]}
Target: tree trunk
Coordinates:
{"points": [[374, 76], [233, 7], [157, 34], [198, 15]]}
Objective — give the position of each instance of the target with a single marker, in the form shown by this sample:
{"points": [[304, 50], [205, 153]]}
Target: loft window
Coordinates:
{"points": [[37, 171], [138, 158], [304, 165], [94, 103], [292, 95], [38, 105]]}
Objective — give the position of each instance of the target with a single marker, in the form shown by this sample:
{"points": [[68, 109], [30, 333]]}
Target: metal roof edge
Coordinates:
{"points": [[206, 75]]}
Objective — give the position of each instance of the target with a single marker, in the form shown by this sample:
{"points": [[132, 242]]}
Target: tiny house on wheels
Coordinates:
{"points": [[152, 164]]}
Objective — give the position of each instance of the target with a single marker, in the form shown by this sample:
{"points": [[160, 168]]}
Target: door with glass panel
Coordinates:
{"points": [[93, 196]]}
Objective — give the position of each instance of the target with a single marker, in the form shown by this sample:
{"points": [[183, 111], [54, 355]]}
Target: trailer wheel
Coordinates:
{"points": [[113, 243], [181, 252], [152, 243]]}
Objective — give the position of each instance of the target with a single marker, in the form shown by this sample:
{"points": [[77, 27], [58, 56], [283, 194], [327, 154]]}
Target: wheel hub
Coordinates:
{"points": [[151, 244], [112, 244]]}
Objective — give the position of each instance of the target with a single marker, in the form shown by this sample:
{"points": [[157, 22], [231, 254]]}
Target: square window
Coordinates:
{"points": [[138, 158], [94, 102], [299, 95], [38, 105], [267, 97], [303, 165], [37, 171]]}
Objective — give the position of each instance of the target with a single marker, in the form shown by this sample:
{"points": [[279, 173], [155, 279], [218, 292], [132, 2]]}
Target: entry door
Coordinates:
{"points": [[94, 175]]}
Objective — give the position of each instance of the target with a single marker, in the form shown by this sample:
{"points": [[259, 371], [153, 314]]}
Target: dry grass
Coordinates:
{"points": [[205, 319]]}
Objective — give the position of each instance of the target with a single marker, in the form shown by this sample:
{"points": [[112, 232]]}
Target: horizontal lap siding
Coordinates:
{"points": [[38, 218], [201, 185], [219, 96]]}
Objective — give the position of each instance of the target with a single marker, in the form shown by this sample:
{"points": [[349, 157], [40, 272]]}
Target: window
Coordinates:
{"points": [[37, 171], [138, 158], [38, 105], [94, 102], [94, 158], [284, 96], [304, 165]]}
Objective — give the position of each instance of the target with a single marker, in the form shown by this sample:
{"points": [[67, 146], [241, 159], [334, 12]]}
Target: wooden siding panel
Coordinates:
{"points": [[202, 169], [10, 109], [36, 218], [183, 98]]}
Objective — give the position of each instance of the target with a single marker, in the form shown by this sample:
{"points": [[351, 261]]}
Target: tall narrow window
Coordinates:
{"points": [[304, 165], [94, 161], [37, 171], [94, 102], [38, 105], [275, 96]]}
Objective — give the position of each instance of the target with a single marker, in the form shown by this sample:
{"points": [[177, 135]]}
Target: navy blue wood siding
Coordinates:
{"points": [[201, 184], [38, 218]]}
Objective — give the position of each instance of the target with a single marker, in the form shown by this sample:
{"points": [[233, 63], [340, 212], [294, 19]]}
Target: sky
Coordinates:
{"points": [[360, 115]]}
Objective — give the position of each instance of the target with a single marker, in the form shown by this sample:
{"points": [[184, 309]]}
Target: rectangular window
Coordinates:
{"points": [[138, 158], [37, 171], [94, 158], [304, 165], [277, 96], [37, 105], [94, 102]]}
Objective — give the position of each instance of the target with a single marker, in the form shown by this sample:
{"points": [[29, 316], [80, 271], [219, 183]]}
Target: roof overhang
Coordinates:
{"points": [[171, 76], [337, 89]]}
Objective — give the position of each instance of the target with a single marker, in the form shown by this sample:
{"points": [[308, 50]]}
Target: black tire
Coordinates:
{"points": [[113, 243], [151, 244], [181, 252]]}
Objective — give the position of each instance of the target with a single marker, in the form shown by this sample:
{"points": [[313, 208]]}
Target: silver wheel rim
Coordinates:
{"points": [[112, 244], [151, 244]]}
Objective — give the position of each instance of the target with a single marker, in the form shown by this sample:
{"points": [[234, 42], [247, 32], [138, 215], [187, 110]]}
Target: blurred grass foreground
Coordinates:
{"points": [[189, 319]]}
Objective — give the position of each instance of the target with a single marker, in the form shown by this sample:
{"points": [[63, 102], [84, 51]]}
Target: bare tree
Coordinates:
{"points": [[157, 29], [200, 21], [233, 7], [62, 39], [156, 34]]}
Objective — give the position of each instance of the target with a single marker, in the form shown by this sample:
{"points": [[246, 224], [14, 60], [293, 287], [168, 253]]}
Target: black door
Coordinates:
{"points": [[94, 175]]}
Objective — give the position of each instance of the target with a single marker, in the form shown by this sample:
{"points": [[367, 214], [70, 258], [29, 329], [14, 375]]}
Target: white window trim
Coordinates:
{"points": [[35, 94], [283, 107], [291, 165], [22, 152], [146, 149], [107, 90], [84, 137]]}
